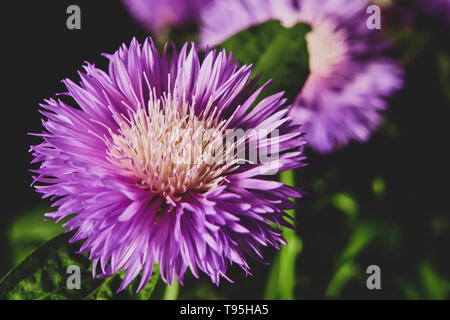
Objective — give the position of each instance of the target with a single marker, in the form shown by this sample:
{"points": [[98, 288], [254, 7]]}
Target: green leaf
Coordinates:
{"points": [[436, 287], [280, 53], [43, 275], [28, 232]]}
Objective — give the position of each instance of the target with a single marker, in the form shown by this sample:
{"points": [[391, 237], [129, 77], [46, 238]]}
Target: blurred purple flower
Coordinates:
{"points": [[157, 15], [351, 76], [131, 160]]}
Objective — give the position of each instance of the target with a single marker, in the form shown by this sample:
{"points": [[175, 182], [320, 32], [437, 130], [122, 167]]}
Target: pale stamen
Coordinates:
{"points": [[327, 48], [169, 150]]}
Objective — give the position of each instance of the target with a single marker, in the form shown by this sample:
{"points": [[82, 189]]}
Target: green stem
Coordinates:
{"points": [[281, 282], [171, 292]]}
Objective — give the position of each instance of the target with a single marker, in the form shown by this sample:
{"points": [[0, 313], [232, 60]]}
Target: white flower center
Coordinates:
{"points": [[327, 48], [169, 150]]}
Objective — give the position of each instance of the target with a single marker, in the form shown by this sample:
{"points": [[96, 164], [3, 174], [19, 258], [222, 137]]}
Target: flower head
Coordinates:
{"points": [[157, 15], [145, 161], [350, 73]]}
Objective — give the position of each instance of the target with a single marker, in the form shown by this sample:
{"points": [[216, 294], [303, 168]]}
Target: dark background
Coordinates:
{"points": [[390, 194], [38, 51]]}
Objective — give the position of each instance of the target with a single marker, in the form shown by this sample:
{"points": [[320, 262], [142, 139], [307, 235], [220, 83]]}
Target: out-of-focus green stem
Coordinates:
{"points": [[281, 283], [171, 292]]}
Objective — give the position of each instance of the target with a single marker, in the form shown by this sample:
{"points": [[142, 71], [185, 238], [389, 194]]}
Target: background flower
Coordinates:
{"points": [[133, 162], [351, 75]]}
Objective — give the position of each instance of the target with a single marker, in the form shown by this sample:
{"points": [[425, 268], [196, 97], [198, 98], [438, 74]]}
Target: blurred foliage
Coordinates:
{"points": [[28, 232], [43, 275]]}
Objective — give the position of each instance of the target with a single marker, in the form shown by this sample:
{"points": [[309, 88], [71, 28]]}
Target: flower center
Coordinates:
{"points": [[169, 150], [326, 47]]}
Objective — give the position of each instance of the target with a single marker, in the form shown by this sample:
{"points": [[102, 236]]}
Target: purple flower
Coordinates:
{"points": [[157, 15], [351, 76], [133, 158]]}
